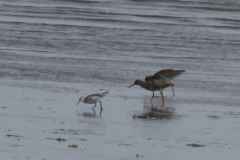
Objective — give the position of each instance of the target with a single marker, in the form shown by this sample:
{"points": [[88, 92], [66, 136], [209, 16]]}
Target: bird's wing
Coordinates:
{"points": [[161, 84], [93, 97], [161, 77]]}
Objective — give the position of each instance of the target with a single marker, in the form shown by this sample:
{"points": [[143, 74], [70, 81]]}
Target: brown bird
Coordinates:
{"points": [[153, 85], [165, 75]]}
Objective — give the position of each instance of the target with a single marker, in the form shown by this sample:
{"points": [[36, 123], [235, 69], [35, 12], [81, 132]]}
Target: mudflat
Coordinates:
{"points": [[53, 52]]}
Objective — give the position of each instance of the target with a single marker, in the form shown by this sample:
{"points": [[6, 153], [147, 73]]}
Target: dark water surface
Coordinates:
{"points": [[53, 52]]}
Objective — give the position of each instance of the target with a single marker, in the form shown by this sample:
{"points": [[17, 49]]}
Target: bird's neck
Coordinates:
{"points": [[143, 84], [147, 86]]}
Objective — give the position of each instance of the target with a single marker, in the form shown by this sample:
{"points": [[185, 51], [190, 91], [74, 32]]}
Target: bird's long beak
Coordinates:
{"points": [[131, 85], [78, 102]]}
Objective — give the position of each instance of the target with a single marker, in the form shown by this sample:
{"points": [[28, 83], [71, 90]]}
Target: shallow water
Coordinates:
{"points": [[53, 52]]}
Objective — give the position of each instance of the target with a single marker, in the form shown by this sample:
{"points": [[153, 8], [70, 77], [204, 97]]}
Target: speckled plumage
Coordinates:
{"points": [[153, 85], [165, 75]]}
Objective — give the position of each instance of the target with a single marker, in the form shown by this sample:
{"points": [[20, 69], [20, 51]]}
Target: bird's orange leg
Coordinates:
{"points": [[162, 98], [173, 91], [152, 98]]}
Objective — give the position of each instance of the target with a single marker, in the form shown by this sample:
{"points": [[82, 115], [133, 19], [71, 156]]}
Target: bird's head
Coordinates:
{"points": [[81, 99], [137, 82]]}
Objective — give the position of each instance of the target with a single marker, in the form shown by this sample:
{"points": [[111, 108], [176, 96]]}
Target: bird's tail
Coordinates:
{"points": [[181, 72], [105, 93], [170, 85]]}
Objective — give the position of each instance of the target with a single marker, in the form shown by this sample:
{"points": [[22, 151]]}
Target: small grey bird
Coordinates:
{"points": [[93, 99]]}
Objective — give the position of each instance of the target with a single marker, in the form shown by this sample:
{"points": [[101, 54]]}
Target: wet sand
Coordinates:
{"points": [[53, 52], [33, 120]]}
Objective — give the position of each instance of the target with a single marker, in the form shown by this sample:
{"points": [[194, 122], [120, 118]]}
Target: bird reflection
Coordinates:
{"points": [[90, 114], [156, 111], [156, 115], [157, 104]]}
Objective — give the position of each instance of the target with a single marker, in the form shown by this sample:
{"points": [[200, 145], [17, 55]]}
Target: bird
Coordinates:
{"points": [[153, 85], [93, 99], [165, 75]]}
